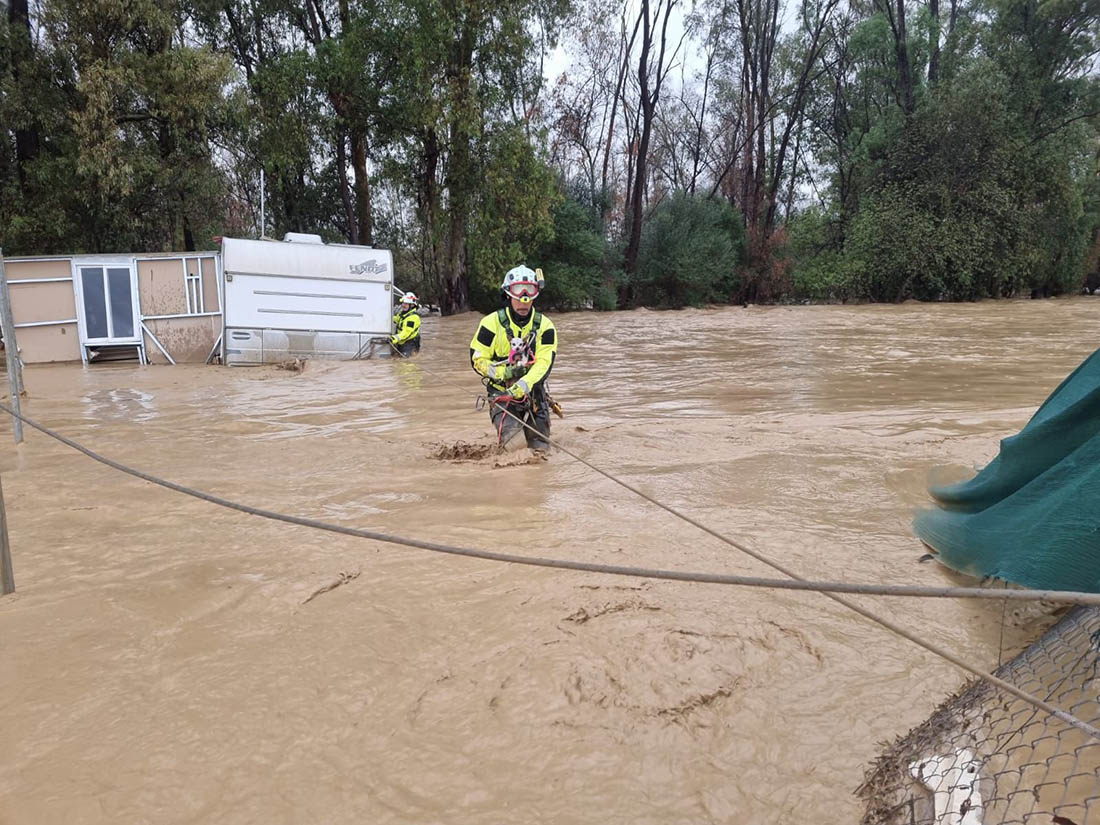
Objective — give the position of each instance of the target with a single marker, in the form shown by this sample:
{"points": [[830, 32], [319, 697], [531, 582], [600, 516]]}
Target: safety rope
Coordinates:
{"points": [[915, 591], [867, 614], [586, 567]]}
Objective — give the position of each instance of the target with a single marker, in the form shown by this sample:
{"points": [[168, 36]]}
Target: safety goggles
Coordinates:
{"points": [[523, 290]]}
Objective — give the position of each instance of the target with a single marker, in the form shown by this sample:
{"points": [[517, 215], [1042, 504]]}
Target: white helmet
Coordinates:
{"points": [[521, 283], [409, 298]]}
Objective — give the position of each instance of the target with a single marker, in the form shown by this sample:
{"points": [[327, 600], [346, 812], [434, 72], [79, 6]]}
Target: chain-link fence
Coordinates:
{"points": [[987, 758]]}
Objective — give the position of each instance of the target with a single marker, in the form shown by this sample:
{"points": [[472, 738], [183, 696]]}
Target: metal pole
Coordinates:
{"points": [[7, 575], [11, 350], [18, 360]]}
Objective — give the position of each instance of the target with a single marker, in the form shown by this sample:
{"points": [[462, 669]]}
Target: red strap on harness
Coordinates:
{"points": [[504, 401]]}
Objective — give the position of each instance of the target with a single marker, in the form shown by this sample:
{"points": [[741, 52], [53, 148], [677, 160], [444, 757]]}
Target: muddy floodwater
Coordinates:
{"points": [[166, 661]]}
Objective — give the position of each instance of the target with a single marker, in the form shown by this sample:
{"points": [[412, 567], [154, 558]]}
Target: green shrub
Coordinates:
{"points": [[690, 252], [573, 260]]}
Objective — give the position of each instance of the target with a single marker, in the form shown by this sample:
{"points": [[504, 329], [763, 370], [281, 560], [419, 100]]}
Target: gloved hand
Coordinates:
{"points": [[514, 371], [518, 390], [393, 340], [501, 373]]}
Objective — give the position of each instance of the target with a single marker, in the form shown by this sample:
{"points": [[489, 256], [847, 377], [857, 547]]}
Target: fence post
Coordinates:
{"points": [[7, 575], [11, 350]]}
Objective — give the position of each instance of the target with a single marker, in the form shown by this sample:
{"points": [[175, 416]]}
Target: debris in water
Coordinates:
{"points": [[491, 454], [462, 451], [584, 614], [293, 365], [702, 700], [343, 578]]}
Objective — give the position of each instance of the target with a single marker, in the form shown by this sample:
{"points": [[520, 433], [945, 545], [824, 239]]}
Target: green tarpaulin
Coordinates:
{"points": [[1032, 515]]}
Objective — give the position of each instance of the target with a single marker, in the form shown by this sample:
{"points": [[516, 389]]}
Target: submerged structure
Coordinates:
{"points": [[986, 757], [252, 301], [157, 308]]}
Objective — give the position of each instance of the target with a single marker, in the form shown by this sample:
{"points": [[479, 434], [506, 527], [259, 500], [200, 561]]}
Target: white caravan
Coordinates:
{"points": [[302, 298]]}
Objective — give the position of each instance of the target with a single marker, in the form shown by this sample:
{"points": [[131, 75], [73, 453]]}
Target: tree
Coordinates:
{"points": [[512, 217], [124, 162], [574, 260], [466, 66], [692, 249], [652, 71]]}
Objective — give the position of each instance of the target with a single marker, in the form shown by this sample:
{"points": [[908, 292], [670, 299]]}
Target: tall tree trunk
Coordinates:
{"points": [[351, 225], [188, 233], [934, 42], [365, 228], [794, 172], [648, 105], [794, 118], [748, 165], [905, 70], [22, 57], [429, 204], [454, 286], [763, 196], [315, 26], [749, 29], [620, 79], [634, 208], [289, 184], [459, 181]]}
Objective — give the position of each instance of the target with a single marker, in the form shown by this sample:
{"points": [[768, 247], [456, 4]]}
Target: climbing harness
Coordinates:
{"points": [[524, 406]]}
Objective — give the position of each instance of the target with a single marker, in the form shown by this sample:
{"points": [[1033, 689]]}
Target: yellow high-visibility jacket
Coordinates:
{"points": [[407, 327], [492, 344]]}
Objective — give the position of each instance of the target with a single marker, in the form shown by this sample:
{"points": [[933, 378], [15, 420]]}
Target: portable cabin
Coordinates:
{"points": [[251, 302], [157, 308]]}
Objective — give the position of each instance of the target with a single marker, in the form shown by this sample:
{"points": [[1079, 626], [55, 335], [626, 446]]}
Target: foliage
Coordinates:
{"points": [[822, 272], [124, 159], [955, 159], [690, 252], [513, 216], [574, 260]]}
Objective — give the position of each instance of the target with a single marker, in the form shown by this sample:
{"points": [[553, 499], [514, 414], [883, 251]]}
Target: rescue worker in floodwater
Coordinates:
{"points": [[406, 324], [514, 350]]}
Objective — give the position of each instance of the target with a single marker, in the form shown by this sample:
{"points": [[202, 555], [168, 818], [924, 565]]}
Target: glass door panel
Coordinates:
{"points": [[121, 302], [95, 302]]}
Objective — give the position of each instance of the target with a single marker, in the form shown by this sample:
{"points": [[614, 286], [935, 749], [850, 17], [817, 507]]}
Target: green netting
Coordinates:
{"points": [[1032, 515]]}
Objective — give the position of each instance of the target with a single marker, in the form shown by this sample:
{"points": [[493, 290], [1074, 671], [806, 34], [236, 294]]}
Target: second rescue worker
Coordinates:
{"points": [[514, 349], [406, 323]]}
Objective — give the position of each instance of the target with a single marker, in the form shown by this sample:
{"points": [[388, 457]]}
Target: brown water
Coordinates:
{"points": [[160, 661]]}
